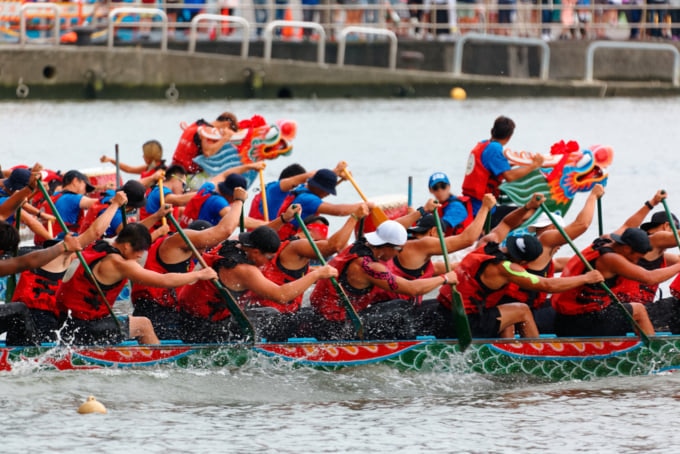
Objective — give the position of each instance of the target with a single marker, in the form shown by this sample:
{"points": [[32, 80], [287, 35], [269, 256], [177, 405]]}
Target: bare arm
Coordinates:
{"points": [[124, 167], [136, 273], [636, 218], [38, 258], [99, 226], [618, 265], [259, 165], [513, 220], [250, 277], [339, 209], [290, 183]]}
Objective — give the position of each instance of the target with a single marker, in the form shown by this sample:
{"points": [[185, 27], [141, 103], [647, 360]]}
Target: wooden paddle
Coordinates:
{"points": [[460, 320], [161, 196], [84, 264], [589, 267], [236, 311], [263, 196], [377, 214], [349, 309]]}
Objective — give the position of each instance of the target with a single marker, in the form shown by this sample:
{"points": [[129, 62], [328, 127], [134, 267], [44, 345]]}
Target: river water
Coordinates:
{"points": [[266, 408]]}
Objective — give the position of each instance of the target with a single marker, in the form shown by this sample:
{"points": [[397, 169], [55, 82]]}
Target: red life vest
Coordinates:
{"points": [[467, 203], [424, 272], [37, 289], [273, 271], [325, 299], [188, 148], [534, 298], [630, 291], [478, 180], [675, 287], [289, 229], [476, 296], [92, 214], [166, 297], [255, 212], [80, 296], [193, 207], [202, 299], [586, 298], [56, 228]]}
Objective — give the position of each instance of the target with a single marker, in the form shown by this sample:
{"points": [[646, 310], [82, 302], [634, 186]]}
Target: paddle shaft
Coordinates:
{"points": [[263, 197], [84, 264], [604, 286], [460, 319], [671, 221], [600, 228], [410, 192], [161, 196], [240, 317], [349, 309], [377, 213]]}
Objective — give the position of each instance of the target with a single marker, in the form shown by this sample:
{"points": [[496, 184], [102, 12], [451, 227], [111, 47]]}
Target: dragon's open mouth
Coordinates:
{"points": [[595, 174]]}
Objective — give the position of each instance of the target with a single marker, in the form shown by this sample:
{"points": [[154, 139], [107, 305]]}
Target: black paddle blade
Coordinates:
{"points": [[460, 320]]}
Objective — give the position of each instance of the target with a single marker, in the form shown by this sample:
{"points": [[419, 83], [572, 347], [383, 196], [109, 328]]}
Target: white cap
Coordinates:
{"points": [[544, 221], [389, 232]]}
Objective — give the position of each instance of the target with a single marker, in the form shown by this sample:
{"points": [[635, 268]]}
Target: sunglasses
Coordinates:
{"points": [[439, 186]]}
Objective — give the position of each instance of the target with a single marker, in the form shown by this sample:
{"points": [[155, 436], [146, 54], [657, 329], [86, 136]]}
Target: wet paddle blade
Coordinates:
{"points": [[460, 320], [378, 216]]}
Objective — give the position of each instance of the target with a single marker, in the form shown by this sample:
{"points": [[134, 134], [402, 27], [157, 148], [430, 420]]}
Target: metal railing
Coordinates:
{"points": [[590, 55], [342, 42], [23, 37], [460, 45], [245, 42], [141, 11], [276, 24]]}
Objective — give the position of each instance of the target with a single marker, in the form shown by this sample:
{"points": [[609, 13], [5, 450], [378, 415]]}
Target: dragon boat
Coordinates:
{"points": [[548, 359]]}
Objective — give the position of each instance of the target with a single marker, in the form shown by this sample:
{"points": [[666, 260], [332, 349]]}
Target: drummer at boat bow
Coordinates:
{"points": [[485, 273]]}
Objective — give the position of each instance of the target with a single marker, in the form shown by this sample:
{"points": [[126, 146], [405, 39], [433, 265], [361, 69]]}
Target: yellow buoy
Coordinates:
{"points": [[458, 93], [91, 406]]}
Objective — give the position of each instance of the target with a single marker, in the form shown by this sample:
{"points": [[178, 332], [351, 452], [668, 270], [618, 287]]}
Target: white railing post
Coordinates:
{"points": [[135, 10], [342, 42], [268, 37], [56, 27], [220, 18]]}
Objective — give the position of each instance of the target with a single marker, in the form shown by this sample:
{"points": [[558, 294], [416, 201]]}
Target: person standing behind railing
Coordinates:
{"points": [[656, 17], [309, 12], [634, 18]]}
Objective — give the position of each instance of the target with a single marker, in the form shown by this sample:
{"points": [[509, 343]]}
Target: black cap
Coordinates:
{"points": [[423, 225], [263, 238], [324, 179], [17, 180], [524, 248], [199, 225], [77, 175], [135, 192], [658, 219], [637, 239], [230, 183]]}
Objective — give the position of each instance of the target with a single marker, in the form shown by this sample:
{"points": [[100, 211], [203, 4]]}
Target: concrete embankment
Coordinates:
{"points": [[423, 69]]}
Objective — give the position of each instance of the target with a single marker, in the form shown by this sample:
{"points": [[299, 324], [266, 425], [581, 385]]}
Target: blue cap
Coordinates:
{"points": [[438, 177]]}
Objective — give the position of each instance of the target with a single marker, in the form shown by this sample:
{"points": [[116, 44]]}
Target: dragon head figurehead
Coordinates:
{"points": [[267, 141], [581, 171]]}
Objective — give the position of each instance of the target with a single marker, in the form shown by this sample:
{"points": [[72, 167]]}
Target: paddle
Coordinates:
{"points": [[670, 220], [240, 317], [349, 309], [605, 287], [123, 213], [377, 214], [460, 319], [161, 196], [600, 229], [410, 192], [84, 264], [263, 197]]}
